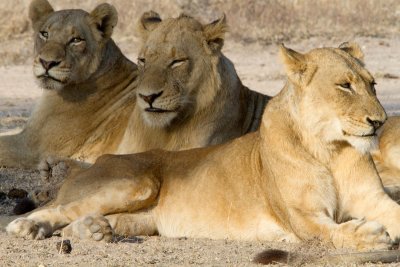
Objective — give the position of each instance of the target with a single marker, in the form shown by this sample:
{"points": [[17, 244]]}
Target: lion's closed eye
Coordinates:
{"points": [[178, 62]]}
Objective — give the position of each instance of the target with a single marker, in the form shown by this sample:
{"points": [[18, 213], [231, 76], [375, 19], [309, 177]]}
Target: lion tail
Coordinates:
{"points": [[272, 256]]}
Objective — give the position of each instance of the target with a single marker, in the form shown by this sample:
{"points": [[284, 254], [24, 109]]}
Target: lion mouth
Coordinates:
{"points": [[157, 110], [49, 77], [373, 134]]}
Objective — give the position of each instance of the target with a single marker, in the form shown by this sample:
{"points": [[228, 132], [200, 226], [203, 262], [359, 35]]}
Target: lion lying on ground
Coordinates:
{"points": [[305, 174], [89, 88]]}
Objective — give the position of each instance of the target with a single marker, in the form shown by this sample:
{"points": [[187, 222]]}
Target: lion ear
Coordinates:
{"points": [[294, 63], [38, 10], [215, 33], [297, 69], [105, 17], [148, 22], [353, 49]]}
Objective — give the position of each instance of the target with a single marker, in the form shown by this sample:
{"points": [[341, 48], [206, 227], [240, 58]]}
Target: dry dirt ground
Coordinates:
{"points": [[259, 68]]}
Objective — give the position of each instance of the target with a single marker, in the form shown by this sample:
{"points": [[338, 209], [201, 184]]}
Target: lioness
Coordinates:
{"points": [[188, 96], [88, 88], [305, 174]]}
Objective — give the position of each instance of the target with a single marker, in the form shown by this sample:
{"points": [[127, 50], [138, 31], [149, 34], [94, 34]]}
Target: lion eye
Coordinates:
{"points": [[177, 62], [44, 35], [75, 40], [345, 87], [141, 61], [373, 87]]}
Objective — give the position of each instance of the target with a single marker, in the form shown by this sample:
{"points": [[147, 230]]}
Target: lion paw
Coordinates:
{"points": [[367, 235], [26, 228], [93, 227], [46, 167]]}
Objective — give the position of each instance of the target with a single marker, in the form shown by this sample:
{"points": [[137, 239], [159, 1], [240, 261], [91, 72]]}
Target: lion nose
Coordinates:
{"points": [[48, 64], [150, 98], [375, 123]]}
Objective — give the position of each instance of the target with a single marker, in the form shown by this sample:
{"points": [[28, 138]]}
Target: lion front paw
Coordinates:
{"points": [[52, 166], [27, 228], [92, 227], [366, 235]]}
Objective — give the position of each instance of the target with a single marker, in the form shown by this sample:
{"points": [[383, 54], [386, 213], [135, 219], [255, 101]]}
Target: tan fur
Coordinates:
{"points": [[387, 156], [198, 98], [85, 113], [97, 109], [303, 175]]}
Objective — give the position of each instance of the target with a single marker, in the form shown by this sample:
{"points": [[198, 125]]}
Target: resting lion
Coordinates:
{"points": [[305, 174], [188, 93], [88, 88]]}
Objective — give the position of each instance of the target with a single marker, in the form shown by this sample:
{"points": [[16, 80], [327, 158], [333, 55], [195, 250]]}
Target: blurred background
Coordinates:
{"points": [[251, 21]]}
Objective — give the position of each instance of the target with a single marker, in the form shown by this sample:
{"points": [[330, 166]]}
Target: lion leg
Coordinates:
{"points": [[355, 234], [362, 194], [386, 162], [118, 196], [133, 224], [387, 157]]}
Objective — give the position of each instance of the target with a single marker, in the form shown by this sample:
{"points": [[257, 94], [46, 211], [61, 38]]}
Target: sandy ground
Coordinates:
{"points": [[259, 68]]}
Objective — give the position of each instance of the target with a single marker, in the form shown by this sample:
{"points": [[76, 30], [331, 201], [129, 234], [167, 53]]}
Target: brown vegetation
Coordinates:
{"points": [[251, 21]]}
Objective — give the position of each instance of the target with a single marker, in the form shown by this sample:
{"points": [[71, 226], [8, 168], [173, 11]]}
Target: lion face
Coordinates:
{"points": [[336, 81], [69, 44], [176, 63]]}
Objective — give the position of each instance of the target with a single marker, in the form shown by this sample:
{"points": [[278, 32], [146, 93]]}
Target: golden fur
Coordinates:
{"points": [[189, 94], [88, 88], [90, 108], [387, 156], [303, 175]]}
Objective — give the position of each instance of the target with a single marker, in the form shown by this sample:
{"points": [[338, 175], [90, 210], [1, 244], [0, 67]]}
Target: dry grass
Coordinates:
{"points": [[264, 21]]}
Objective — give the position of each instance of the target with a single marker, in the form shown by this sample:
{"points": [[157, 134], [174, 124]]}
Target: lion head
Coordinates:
{"points": [[177, 66], [69, 44], [335, 81]]}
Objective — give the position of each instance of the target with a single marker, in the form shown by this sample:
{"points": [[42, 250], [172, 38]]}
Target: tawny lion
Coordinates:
{"points": [[305, 174], [88, 88], [186, 93]]}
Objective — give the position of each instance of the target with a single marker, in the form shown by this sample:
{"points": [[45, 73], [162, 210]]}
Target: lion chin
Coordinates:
{"points": [[363, 144], [159, 120]]}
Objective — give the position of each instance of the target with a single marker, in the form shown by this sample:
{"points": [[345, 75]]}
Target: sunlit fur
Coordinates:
{"points": [[201, 98], [295, 179], [89, 92], [387, 156]]}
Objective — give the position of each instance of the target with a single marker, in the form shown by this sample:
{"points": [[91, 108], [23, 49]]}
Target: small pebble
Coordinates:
{"points": [[17, 193], [65, 247], [23, 206]]}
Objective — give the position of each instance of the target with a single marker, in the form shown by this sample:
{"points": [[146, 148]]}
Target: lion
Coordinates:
{"points": [[189, 94], [186, 95], [387, 156], [306, 173], [88, 88]]}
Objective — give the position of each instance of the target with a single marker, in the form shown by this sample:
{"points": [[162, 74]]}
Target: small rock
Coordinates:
{"points": [[64, 247], [2, 196], [390, 76], [23, 206], [17, 193]]}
